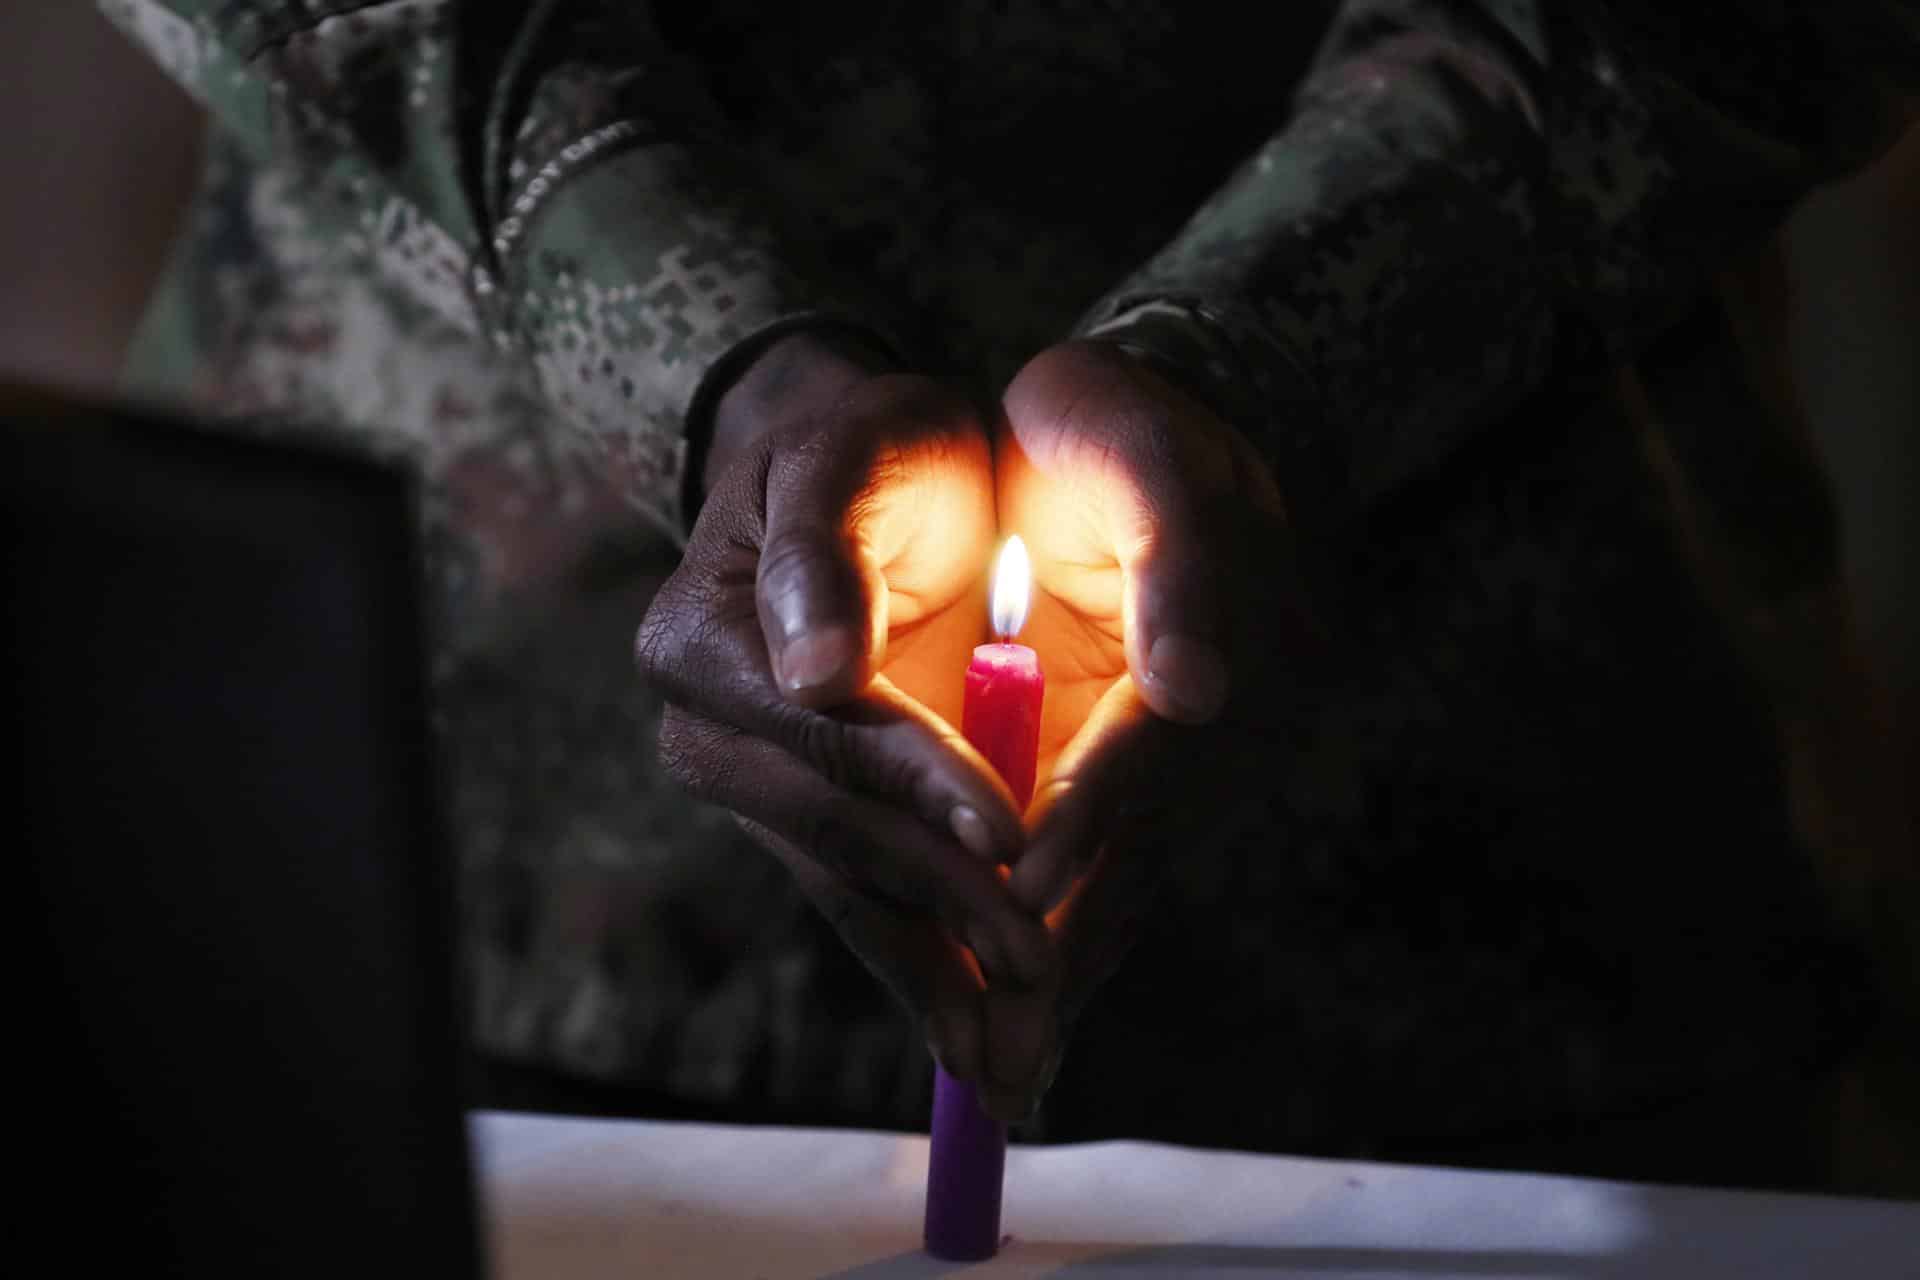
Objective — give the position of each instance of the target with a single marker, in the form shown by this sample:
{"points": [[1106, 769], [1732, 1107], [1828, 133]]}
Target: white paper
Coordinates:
{"points": [[577, 1199]]}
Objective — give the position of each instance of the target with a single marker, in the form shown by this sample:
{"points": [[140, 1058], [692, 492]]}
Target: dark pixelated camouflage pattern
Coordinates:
{"points": [[1479, 196], [1491, 885]]}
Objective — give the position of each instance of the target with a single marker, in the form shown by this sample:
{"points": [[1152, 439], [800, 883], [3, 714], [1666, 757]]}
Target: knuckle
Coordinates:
{"points": [[704, 663], [692, 755], [683, 639], [864, 759], [655, 639], [885, 765], [669, 637], [834, 833], [679, 749], [829, 835], [792, 562], [825, 743]]}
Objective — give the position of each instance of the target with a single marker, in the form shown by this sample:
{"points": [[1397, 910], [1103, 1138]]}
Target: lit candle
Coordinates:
{"points": [[1001, 718]]}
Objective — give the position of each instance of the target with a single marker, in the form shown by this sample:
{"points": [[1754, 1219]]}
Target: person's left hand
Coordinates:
{"points": [[1168, 618]]}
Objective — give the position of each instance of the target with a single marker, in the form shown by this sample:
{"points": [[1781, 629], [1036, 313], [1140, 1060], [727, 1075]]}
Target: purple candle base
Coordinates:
{"points": [[969, 1156]]}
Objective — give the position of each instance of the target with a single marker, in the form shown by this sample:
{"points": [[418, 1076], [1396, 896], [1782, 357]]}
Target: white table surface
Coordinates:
{"points": [[570, 1199]]}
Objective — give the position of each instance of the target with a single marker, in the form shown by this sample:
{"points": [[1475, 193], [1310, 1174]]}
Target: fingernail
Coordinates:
{"points": [[971, 830], [814, 658], [1192, 674]]}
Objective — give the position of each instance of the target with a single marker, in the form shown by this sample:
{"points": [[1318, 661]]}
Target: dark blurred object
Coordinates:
{"points": [[243, 1054], [1723, 422], [1851, 332]]}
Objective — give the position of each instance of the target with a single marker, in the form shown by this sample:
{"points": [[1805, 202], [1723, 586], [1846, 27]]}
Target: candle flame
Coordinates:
{"points": [[1012, 588]]}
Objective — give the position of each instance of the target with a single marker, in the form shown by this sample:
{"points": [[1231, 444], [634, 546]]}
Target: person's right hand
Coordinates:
{"points": [[811, 649]]}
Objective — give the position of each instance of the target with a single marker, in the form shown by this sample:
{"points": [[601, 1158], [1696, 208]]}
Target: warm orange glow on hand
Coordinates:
{"points": [[925, 527], [1151, 525], [1075, 621]]}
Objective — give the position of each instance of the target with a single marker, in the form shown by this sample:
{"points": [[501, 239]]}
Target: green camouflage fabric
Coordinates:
{"points": [[1492, 896]]}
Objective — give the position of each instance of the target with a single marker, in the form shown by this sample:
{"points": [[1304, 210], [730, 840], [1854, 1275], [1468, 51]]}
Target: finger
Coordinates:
{"points": [[1213, 598], [1020, 1051], [702, 647], [871, 843], [1214, 603], [778, 524], [1101, 919], [897, 489], [1158, 484], [1177, 551], [1173, 624], [887, 743], [1094, 929], [1121, 772], [820, 593], [913, 958], [1026, 1033]]}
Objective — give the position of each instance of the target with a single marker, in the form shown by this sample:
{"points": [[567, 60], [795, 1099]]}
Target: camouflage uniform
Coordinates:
{"points": [[1529, 863]]}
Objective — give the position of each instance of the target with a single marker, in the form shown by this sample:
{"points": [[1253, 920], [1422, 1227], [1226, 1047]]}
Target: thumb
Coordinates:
{"points": [[1174, 620], [820, 597]]}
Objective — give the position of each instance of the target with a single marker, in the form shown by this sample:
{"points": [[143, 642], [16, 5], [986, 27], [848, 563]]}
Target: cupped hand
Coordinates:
{"points": [[1171, 625], [811, 648]]}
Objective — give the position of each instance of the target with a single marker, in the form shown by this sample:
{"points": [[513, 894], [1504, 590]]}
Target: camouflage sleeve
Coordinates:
{"points": [[1471, 193], [548, 177]]}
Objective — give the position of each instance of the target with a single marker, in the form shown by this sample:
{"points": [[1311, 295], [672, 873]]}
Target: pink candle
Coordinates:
{"points": [[1001, 718]]}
